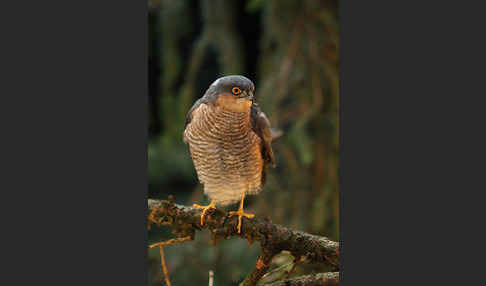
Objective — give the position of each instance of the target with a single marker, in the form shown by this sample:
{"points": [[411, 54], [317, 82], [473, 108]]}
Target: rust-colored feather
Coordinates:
{"points": [[229, 140], [226, 153]]}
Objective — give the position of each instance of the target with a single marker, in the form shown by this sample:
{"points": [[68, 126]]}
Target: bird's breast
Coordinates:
{"points": [[225, 150]]}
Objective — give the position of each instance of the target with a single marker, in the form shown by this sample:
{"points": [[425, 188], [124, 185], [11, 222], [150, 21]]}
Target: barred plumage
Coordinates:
{"points": [[226, 152], [230, 143]]}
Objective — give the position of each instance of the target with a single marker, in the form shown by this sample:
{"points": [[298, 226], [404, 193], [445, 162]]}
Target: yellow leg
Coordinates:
{"points": [[205, 209], [240, 213]]}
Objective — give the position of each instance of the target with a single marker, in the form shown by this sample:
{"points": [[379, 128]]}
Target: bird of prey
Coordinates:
{"points": [[229, 141]]}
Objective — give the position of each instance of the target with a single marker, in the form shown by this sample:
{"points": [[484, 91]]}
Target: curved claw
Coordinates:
{"points": [[205, 209], [240, 213]]}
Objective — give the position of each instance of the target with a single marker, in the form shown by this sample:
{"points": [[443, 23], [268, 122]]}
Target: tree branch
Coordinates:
{"points": [[273, 238], [260, 269], [320, 279]]}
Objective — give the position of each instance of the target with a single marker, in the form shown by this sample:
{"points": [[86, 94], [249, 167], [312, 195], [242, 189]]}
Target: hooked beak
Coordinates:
{"points": [[247, 95]]}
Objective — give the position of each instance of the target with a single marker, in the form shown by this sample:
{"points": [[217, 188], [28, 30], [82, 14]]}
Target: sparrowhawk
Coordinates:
{"points": [[229, 141]]}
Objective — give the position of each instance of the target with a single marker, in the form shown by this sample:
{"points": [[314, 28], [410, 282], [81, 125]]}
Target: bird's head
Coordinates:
{"points": [[233, 92]]}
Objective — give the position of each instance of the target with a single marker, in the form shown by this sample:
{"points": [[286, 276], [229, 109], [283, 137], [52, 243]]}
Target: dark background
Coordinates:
{"points": [[74, 143], [289, 49]]}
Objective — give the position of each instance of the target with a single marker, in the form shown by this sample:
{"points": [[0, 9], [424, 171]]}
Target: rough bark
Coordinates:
{"points": [[261, 267], [320, 279], [273, 238]]}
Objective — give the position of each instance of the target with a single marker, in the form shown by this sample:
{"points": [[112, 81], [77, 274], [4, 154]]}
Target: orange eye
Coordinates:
{"points": [[236, 91]]}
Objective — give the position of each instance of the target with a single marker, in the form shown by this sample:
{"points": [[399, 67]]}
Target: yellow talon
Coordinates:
{"points": [[240, 213], [205, 209]]}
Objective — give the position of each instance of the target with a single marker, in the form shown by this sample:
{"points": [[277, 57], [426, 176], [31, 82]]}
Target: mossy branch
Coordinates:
{"points": [[320, 279], [273, 238]]}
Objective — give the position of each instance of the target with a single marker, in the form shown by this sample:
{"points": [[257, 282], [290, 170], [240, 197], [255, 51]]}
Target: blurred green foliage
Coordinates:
{"points": [[290, 50]]}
